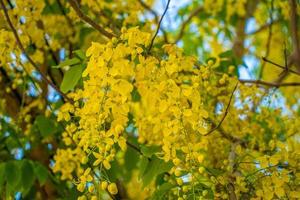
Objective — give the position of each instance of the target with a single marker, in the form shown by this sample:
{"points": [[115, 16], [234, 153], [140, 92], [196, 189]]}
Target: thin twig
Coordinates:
{"points": [[228, 136], [280, 66], [20, 45], [158, 26], [137, 149], [286, 67], [294, 58], [74, 4], [225, 114], [134, 148], [270, 84], [285, 58], [268, 45], [263, 27], [187, 21]]}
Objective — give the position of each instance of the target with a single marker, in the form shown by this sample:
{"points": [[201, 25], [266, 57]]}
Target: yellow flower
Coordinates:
{"points": [[106, 164], [112, 188], [104, 185]]}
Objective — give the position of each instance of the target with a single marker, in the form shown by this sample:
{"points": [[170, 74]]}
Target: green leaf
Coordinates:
{"points": [[51, 8], [2, 176], [41, 173], [45, 125], [12, 175], [215, 172], [68, 62], [71, 78], [131, 159], [161, 190], [135, 95], [27, 176], [155, 167], [190, 43], [80, 54], [149, 150], [160, 180], [205, 182], [226, 54], [11, 143], [142, 166], [124, 170]]}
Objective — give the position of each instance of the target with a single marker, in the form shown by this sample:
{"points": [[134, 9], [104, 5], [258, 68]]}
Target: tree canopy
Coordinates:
{"points": [[145, 99]]}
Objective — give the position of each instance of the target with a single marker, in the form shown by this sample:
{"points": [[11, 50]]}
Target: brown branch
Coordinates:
{"points": [[268, 44], [263, 27], [225, 114], [233, 172], [240, 27], [158, 26], [231, 191], [20, 45], [294, 25], [187, 21], [228, 136], [294, 30], [12, 99], [270, 84], [280, 66], [294, 58], [74, 4]]}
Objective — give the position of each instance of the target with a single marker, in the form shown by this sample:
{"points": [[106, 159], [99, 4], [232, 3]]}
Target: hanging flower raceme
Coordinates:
{"points": [[124, 85]]}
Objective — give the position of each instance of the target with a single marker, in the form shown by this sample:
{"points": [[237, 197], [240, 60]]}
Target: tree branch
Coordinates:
{"points": [[268, 44], [263, 27], [20, 45], [13, 99], [238, 43], [187, 21], [294, 31], [280, 66], [158, 26], [74, 4], [134, 148], [228, 136], [225, 114], [294, 58], [270, 84]]}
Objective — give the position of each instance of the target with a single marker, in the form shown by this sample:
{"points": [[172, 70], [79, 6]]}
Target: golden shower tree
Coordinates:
{"points": [[144, 99]]}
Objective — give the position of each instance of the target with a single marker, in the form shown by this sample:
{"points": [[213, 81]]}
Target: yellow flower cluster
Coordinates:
{"points": [[170, 112], [5, 46], [68, 161], [170, 101]]}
